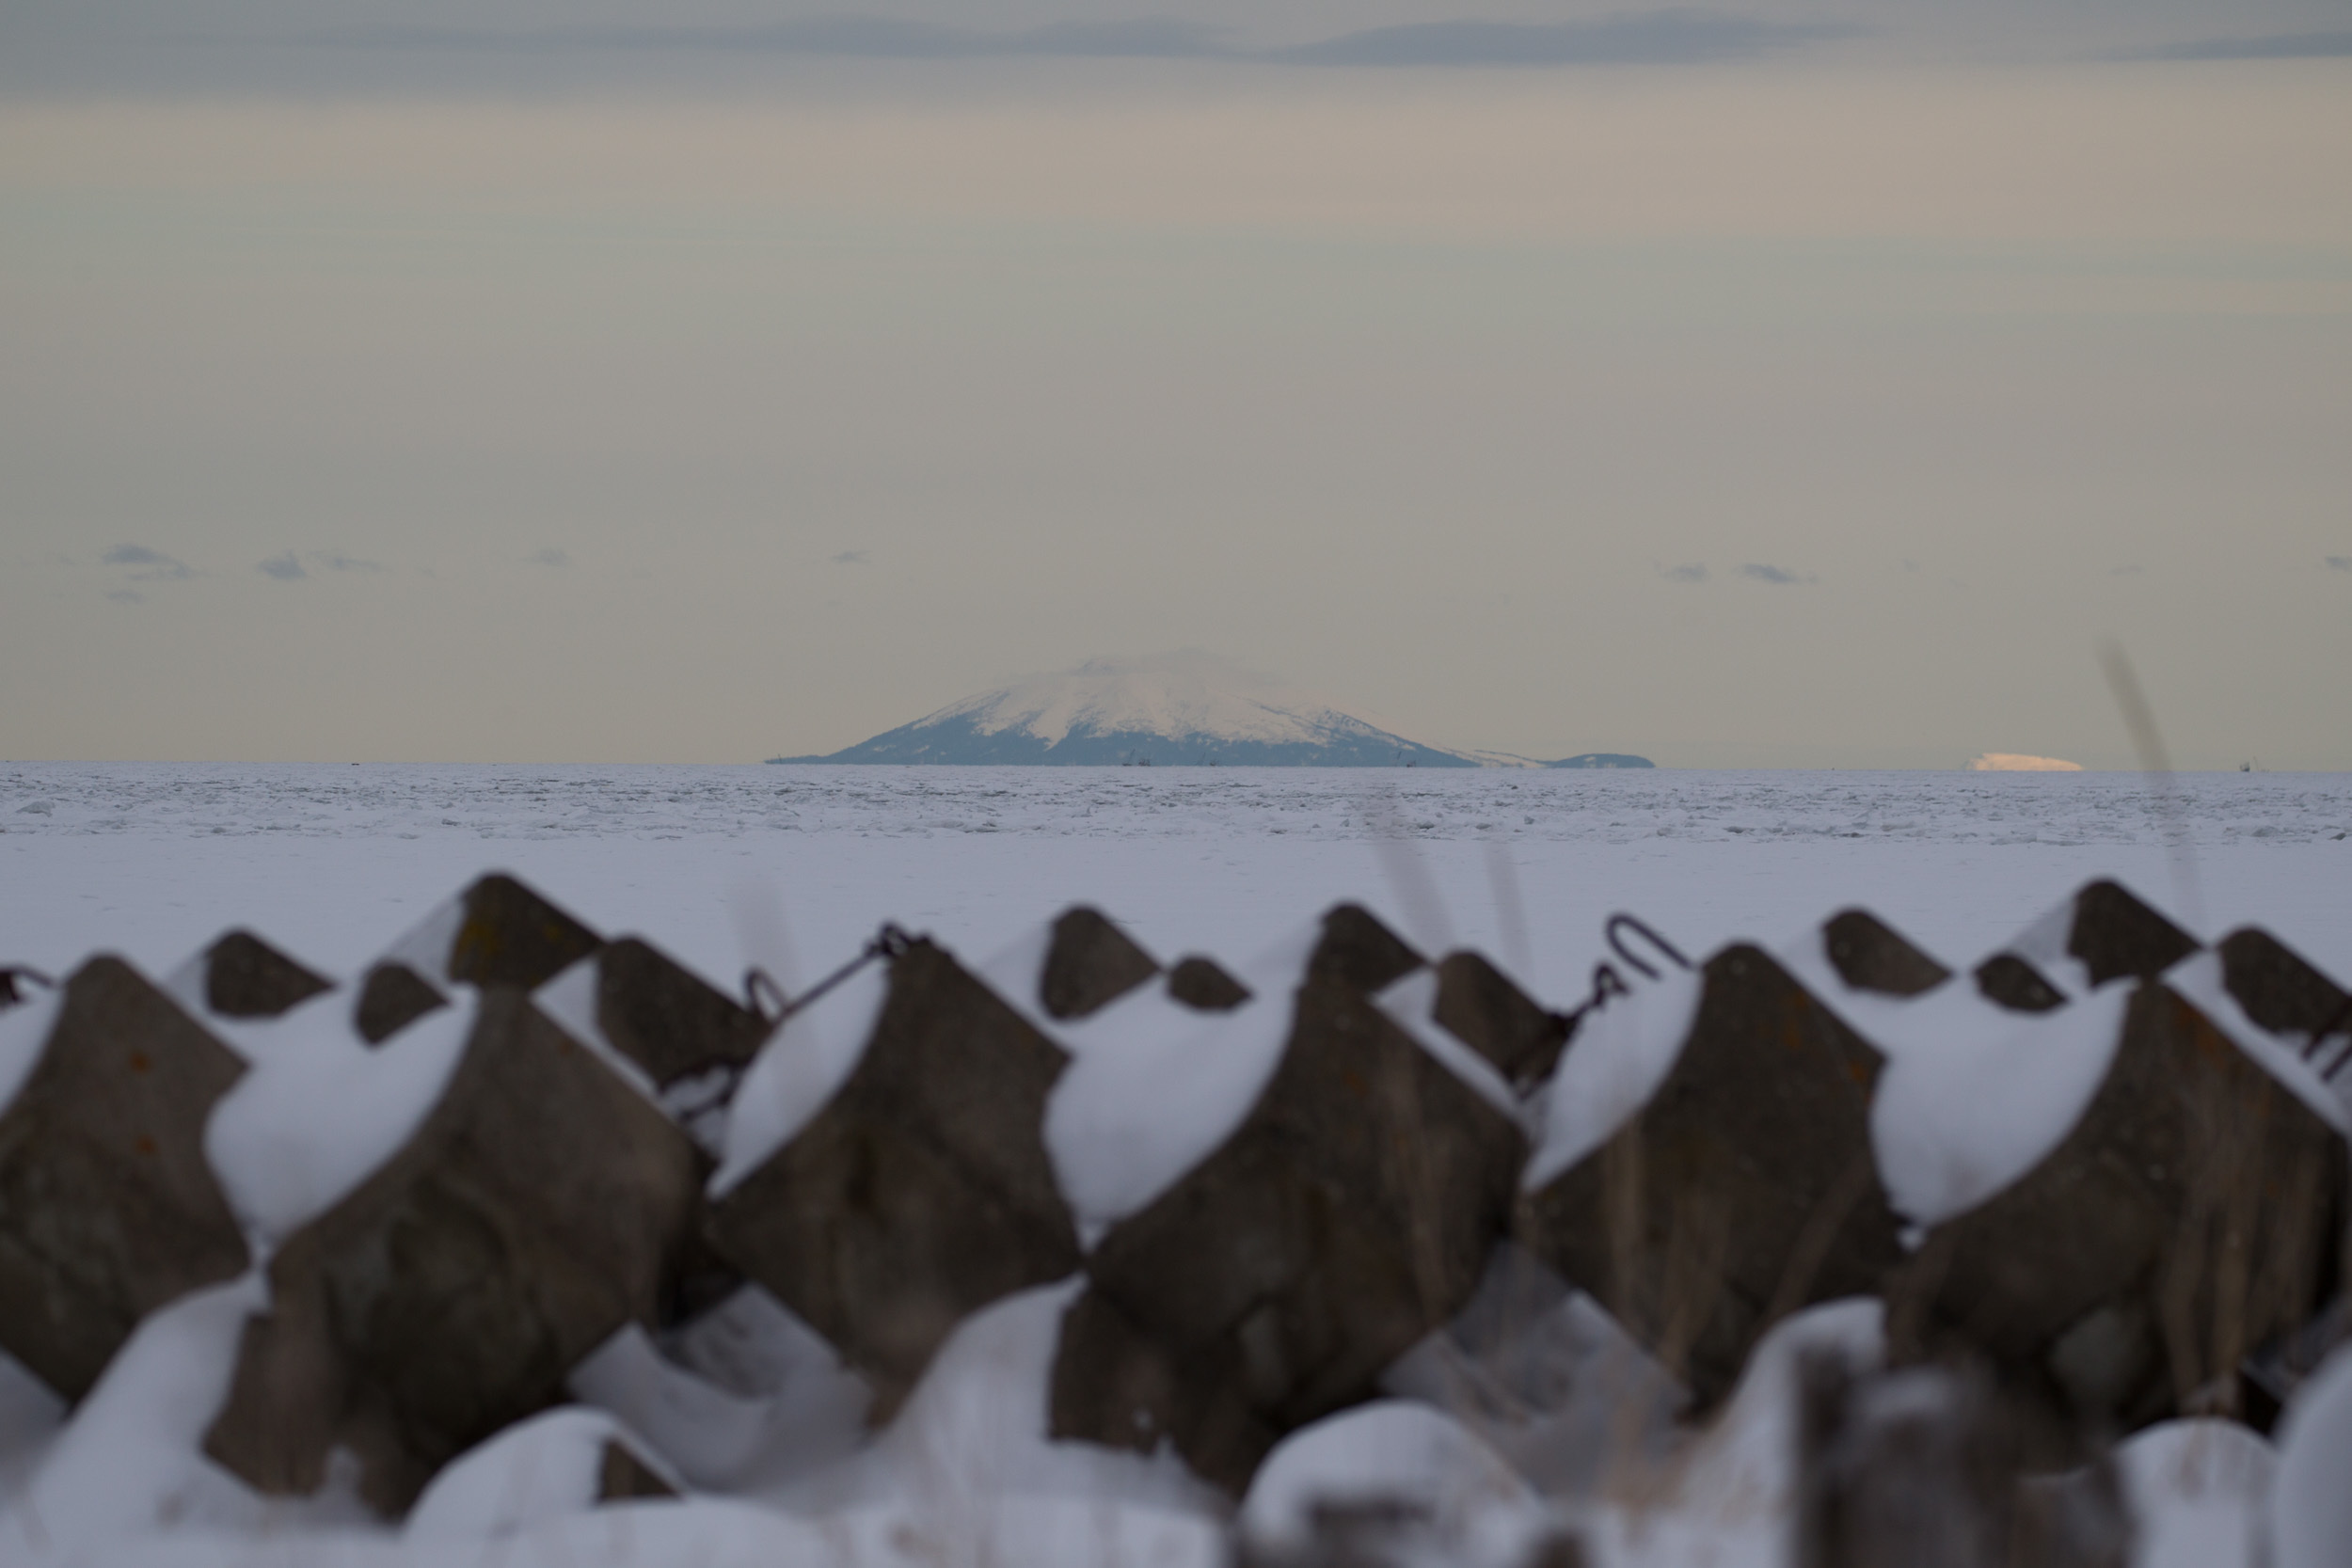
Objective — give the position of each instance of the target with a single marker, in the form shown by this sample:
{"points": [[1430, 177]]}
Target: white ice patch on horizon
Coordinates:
{"points": [[2019, 762]]}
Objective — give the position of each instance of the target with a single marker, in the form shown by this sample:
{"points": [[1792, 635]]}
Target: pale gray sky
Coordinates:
{"points": [[1793, 384]]}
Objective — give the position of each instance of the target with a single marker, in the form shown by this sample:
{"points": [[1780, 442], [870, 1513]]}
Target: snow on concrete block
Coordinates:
{"points": [[1479, 1005], [1348, 1214], [540, 1205], [2311, 1508], [1706, 1166], [2100, 934], [2191, 1211], [496, 932], [242, 976], [1395, 1483], [566, 1460], [1091, 962], [107, 1208], [907, 1185]]}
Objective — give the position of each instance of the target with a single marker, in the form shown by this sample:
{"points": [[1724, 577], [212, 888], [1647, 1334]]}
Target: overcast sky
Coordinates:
{"points": [[1797, 384]]}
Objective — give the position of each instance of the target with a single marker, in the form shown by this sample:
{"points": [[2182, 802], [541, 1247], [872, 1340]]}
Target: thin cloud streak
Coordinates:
{"points": [[841, 36], [159, 567], [2281, 46], [1672, 37], [1657, 37], [1689, 571], [285, 568], [1780, 576]]}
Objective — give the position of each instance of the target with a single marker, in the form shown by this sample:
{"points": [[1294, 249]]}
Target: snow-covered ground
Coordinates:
{"points": [[794, 867], [720, 863]]}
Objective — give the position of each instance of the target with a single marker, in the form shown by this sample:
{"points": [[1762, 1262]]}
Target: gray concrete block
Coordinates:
{"points": [[392, 997], [1358, 951], [541, 1205], [1478, 1004], [1349, 1214], [2194, 1211], [666, 1019], [1204, 985], [1871, 955], [245, 977], [1743, 1189], [2103, 933], [108, 1207], [921, 1190], [496, 932], [2281, 990], [1090, 963]]}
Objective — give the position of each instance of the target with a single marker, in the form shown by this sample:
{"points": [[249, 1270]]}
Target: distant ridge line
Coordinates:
{"points": [[1185, 709]]}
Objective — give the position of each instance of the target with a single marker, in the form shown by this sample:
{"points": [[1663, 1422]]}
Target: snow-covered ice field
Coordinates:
{"points": [[793, 867], [153, 859]]}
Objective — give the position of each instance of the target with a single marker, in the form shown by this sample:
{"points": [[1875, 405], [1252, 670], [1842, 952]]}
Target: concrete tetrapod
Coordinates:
{"points": [[541, 1204], [496, 932], [2192, 1212], [914, 1188], [1737, 1189], [1348, 1214], [107, 1208]]}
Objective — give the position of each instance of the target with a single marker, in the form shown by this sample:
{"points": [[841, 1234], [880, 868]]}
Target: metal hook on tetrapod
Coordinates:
{"points": [[11, 974], [1607, 983], [889, 943], [764, 996], [1620, 922]]}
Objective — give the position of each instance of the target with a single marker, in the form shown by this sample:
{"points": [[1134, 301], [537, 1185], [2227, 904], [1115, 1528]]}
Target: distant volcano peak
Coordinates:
{"points": [[1186, 707]]}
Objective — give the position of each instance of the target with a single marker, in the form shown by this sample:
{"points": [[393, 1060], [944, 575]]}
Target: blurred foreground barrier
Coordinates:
{"points": [[2169, 1197], [1348, 1214], [496, 932], [107, 1208], [884, 1174], [240, 976], [2103, 933], [540, 1204], [1705, 1165], [1921, 1468]]}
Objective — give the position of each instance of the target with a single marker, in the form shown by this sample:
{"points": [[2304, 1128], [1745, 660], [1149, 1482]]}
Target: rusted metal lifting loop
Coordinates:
{"points": [[759, 987], [10, 974]]}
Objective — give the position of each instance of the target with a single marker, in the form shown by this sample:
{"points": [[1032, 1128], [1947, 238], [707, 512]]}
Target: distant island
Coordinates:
{"points": [[1169, 710]]}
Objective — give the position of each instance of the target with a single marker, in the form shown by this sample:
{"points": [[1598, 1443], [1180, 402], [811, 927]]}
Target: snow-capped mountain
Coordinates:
{"points": [[1165, 710]]}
